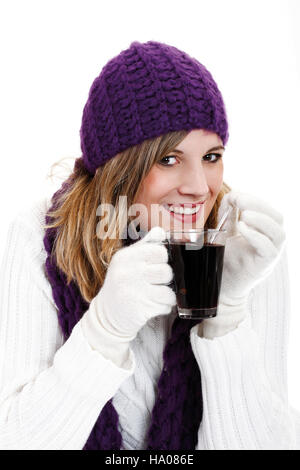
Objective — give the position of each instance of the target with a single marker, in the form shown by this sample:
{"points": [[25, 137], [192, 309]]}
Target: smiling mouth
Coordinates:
{"points": [[184, 209]]}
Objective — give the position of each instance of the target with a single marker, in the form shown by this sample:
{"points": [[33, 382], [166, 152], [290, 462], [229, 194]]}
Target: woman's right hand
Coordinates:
{"points": [[134, 289]]}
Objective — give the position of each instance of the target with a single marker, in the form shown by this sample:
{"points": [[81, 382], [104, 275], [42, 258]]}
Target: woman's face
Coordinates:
{"points": [[187, 176]]}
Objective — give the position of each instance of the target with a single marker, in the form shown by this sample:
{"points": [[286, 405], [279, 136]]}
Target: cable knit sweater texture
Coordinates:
{"points": [[51, 391]]}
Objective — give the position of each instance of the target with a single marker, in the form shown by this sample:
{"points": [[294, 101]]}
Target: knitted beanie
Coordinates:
{"points": [[148, 90]]}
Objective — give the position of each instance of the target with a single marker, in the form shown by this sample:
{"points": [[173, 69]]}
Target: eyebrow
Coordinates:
{"points": [[219, 147]]}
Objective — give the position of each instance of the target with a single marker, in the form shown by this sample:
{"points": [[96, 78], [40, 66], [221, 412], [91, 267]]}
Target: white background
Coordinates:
{"points": [[52, 51]]}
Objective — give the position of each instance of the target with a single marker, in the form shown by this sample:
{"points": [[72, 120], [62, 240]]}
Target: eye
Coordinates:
{"points": [[217, 155], [163, 160]]}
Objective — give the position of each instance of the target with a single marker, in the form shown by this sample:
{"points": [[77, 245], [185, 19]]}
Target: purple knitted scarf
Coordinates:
{"points": [[177, 412]]}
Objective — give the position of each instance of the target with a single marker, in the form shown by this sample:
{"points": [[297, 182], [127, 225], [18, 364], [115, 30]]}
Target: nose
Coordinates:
{"points": [[193, 182]]}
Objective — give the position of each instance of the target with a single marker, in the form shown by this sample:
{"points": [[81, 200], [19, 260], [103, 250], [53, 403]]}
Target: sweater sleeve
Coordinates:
{"points": [[51, 391], [244, 375]]}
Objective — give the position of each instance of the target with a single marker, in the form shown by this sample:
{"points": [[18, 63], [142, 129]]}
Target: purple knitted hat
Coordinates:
{"points": [[148, 90]]}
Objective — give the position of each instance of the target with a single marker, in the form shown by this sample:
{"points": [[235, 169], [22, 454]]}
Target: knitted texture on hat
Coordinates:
{"points": [[148, 90], [177, 412]]}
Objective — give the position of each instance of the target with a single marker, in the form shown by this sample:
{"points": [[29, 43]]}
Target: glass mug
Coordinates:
{"points": [[196, 257]]}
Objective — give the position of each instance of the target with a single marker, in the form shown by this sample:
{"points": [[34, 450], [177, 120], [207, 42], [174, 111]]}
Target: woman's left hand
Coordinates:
{"points": [[256, 239]]}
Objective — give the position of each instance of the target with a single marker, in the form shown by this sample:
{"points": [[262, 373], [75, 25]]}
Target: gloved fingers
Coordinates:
{"points": [[152, 253], [156, 234], [246, 201], [158, 273], [158, 295], [163, 309], [147, 252], [164, 295], [261, 243], [265, 225]]}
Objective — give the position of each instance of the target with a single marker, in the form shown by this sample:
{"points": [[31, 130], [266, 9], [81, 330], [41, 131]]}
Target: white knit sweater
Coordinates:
{"points": [[52, 392]]}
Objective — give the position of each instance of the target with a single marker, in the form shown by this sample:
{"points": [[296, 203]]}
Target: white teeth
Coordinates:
{"points": [[186, 210]]}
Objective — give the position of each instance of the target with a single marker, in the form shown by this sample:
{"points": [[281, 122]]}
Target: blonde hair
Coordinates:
{"points": [[79, 250]]}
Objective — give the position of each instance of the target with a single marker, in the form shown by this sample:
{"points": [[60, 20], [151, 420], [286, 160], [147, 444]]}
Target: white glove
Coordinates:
{"points": [[133, 292], [255, 244]]}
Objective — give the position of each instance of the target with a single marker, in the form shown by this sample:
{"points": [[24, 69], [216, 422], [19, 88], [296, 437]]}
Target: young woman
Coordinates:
{"points": [[93, 354]]}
